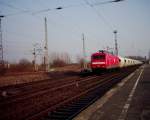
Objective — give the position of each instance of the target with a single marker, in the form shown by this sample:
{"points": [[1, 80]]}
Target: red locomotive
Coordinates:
{"points": [[104, 60]]}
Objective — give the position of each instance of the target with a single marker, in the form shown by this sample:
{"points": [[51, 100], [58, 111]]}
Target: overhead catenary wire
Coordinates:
{"points": [[9, 5], [23, 11], [13, 7], [20, 10], [56, 8], [106, 2], [106, 22], [100, 15]]}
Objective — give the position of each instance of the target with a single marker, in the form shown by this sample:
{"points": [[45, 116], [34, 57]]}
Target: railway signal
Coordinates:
{"points": [[36, 51]]}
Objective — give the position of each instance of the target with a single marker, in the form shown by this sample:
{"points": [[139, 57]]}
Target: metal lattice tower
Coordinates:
{"points": [[1, 43], [46, 48], [84, 53], [116, 44]]}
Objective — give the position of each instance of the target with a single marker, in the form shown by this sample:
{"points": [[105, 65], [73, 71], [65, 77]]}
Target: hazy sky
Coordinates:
{"points": [[24, 26]]}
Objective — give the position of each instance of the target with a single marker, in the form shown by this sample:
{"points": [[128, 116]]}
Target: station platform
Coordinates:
{"points": [[128, 100]]}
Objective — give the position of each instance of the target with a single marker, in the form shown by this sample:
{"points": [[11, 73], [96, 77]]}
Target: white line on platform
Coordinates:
{"points": [[128, 102]]}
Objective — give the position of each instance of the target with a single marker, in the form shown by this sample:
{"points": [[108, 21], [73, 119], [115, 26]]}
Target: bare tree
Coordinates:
{"points": [[80, 60], [24, 62], [60, 59], [24, 65]]}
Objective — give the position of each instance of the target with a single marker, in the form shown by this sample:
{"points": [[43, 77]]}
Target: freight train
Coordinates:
{"points": [[103, 60]]}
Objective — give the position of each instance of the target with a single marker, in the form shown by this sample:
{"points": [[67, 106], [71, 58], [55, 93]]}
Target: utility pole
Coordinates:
{"points": [[116, 44], [149, 55], [34, 59], [1, 44], [46, 60], [84, 54]]}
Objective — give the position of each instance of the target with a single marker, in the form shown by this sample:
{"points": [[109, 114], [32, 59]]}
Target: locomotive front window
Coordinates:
{"points": [[99, 57]]}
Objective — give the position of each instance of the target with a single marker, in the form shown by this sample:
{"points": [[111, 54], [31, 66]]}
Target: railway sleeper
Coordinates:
{"points": [[58, 113], [85, 100], [66, 110], [77, 105]]}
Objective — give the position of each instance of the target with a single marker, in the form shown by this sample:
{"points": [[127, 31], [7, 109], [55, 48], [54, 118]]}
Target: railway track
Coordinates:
{"points": [[83, 100], [25, 87], [16, 91], [39, 102], [72, 109]]}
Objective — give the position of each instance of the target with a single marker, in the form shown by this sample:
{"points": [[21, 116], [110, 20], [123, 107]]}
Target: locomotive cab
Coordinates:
{"points": [[104, 60], [98, 60]]}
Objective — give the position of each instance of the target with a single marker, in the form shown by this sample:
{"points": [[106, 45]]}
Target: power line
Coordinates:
{"points": [[106, 2], [17, 13], [41, 11], [20, 11], [13, 7], [100, 15], [57, 8]]}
